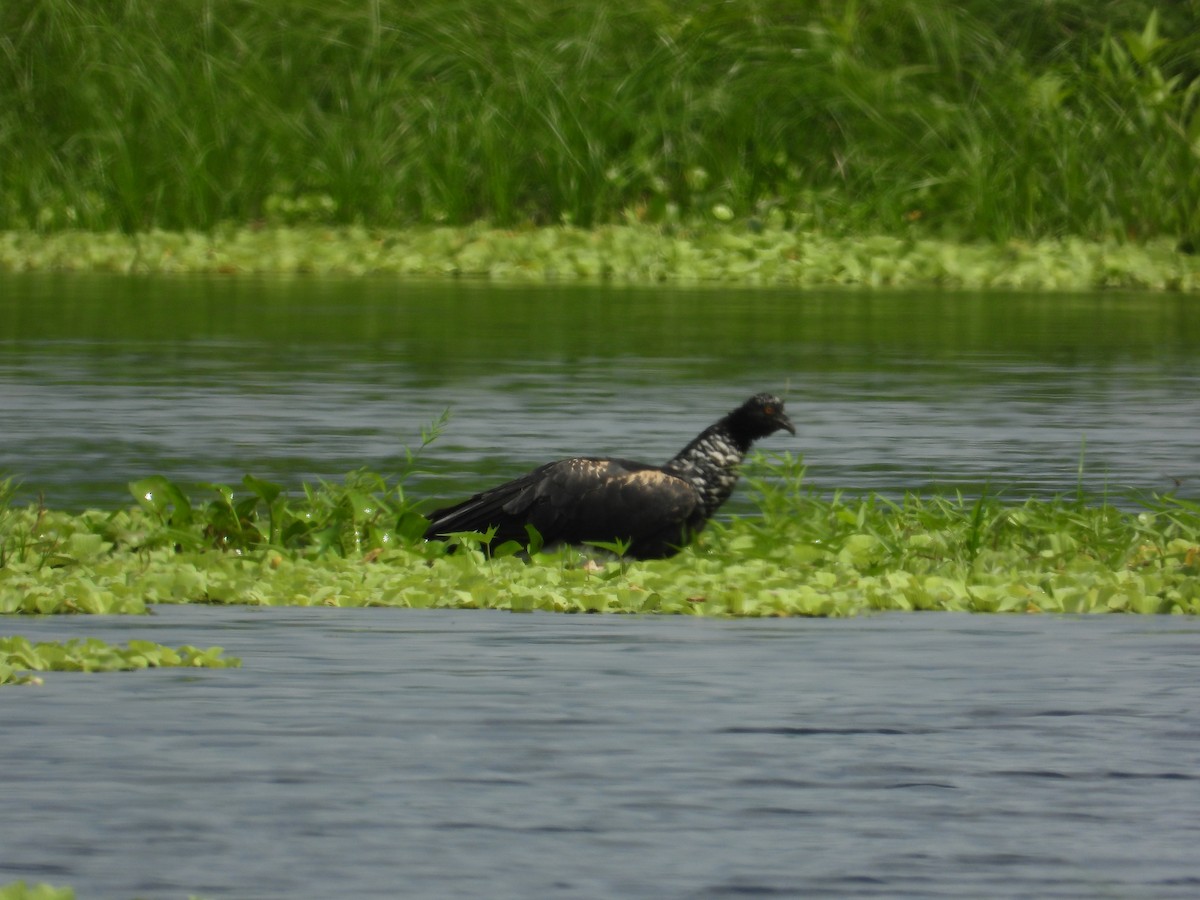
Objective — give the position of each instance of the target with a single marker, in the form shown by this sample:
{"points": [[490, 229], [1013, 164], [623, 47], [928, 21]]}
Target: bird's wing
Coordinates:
{"points": [[586, 499], [575, 500]]}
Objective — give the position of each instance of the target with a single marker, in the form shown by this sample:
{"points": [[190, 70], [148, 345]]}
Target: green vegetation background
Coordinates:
{"points": [[970, 120]]}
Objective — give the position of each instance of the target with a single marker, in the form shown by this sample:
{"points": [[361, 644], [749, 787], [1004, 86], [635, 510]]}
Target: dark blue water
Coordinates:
{"points": [[386, 753]]}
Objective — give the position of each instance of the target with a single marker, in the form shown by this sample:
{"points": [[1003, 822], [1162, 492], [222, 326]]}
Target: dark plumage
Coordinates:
{"points": [[657, 509]]}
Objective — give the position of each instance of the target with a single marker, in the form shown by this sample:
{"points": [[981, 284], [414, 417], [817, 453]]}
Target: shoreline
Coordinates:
{"points": [[745, 254]]}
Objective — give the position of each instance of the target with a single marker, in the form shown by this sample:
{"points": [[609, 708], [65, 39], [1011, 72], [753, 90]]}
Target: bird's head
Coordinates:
{"points": [[760, 416]]}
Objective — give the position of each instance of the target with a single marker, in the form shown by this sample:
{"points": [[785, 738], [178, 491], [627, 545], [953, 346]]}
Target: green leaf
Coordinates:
{"points": [[617, 548], [536, 542], [268, 491], [164, 498]]}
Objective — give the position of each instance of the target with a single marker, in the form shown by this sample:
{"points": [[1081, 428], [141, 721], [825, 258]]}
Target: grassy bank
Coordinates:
{"points": [[971, 121], [359, 544]]}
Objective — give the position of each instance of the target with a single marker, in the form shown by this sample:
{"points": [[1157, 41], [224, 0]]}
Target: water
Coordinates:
{"points": [[104, 380], [383, 753]]}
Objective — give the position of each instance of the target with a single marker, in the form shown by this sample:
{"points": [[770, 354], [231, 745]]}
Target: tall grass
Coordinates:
{"points": [[977, 119]]}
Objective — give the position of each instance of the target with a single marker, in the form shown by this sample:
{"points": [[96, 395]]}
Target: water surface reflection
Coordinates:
{"points": [[103, 380]]}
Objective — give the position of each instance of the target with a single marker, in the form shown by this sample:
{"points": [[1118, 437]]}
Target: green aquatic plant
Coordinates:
{"points": [[7, 490], [368, 512], [20, 890], [767, 253], [259, 516], [19, 657], [796, 553]]}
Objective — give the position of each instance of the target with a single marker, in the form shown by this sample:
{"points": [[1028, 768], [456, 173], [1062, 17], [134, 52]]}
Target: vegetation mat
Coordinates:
{"points": [[739, 253], [359, 544]]}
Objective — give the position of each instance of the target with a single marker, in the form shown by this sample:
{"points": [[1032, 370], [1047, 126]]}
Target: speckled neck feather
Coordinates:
{"points": [[710, 464]]}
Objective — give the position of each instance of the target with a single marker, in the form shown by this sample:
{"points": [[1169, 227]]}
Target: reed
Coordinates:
{"points": [[972, 120]]}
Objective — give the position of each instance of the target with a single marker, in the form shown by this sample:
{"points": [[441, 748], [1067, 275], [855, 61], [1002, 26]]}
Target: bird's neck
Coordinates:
{"points": [[710, 463]]}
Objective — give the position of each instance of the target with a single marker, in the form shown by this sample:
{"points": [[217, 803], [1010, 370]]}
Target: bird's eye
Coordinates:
{"points": [[768, 410]]}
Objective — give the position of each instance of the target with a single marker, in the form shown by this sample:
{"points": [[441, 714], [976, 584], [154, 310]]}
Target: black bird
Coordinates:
{"points": [[656, 509]]}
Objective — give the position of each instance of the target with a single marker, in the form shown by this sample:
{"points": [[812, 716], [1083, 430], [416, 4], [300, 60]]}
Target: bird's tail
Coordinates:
{"points": [[490, 509]]}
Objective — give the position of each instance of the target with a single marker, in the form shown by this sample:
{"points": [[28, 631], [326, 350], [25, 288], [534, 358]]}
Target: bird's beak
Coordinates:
{"points": [[784, 422]]}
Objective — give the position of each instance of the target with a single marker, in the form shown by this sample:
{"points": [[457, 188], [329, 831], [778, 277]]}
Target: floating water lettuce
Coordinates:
{"points": [[626, 254], [19, 890], [358, 544], [18, 655]]}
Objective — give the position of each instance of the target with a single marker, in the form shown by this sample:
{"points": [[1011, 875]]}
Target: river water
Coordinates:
{"points": [[104, 380], [384, 753], [399, 753]]}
